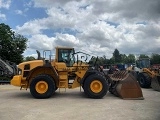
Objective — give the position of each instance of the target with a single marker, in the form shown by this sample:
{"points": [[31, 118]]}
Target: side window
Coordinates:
{"points": [[60, 58], [26, 70], [143, 63], [27, 67], [66, 55], [63, 55]]}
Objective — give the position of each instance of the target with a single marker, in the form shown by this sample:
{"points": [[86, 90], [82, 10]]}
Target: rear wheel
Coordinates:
{"points": [[95, 86], [42, 86], [144, 80]]}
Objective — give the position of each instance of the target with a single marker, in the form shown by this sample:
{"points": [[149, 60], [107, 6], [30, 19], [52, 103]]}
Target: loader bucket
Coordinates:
{"points": [[155, 83], [125, 85]]}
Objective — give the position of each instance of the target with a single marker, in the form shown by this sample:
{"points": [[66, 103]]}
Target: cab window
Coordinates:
{"points": [[66, 55]]}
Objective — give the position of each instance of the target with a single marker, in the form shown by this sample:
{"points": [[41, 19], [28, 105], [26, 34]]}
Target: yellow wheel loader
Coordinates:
{"points": [[69, 69], [147, 77]]}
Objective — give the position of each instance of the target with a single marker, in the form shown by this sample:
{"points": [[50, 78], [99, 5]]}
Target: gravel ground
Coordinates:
{"points": [[73, 105]]}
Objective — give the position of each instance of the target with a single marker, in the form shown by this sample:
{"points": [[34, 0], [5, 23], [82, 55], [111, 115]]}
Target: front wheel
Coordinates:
{"points": [[42, 86], [144, 80], [95, 86]]}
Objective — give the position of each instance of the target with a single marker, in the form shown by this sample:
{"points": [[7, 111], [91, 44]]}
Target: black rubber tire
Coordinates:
{"points": [[56, 88], [144, 80], [134, 73], [89, 92], [48, 80]]}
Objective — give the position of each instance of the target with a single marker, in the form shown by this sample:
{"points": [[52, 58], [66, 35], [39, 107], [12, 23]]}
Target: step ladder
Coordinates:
{"points": [[63, 82]]}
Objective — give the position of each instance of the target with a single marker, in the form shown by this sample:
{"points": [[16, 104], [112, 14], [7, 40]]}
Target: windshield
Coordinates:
{"points": [[144, 63]]}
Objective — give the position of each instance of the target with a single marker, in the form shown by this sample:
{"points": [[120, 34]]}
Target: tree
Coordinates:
{"points": [[29, 58], [116, 56], [155, 59], [143, 56], [105, 60], [131, 58], [111, 60], [124, 58], [12, 45]]}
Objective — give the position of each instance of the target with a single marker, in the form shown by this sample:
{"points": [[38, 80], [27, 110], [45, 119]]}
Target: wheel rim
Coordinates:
{"points": [[41, 87], [96, 86]]}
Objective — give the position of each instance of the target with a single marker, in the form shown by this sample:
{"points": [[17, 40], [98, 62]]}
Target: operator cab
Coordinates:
{"points": [[143, 63], [66, 55]]}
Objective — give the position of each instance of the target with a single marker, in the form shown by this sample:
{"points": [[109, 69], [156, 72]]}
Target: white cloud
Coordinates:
{"points": [[28, 4], [128, 11], [32, 27], [41, 42], [2, 16], [66, 40], [97, 26], [51, 3], [19, 12], [5, 4]]}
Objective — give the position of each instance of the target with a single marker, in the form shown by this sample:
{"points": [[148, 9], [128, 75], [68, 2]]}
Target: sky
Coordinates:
{"points": [[96, 27]]}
